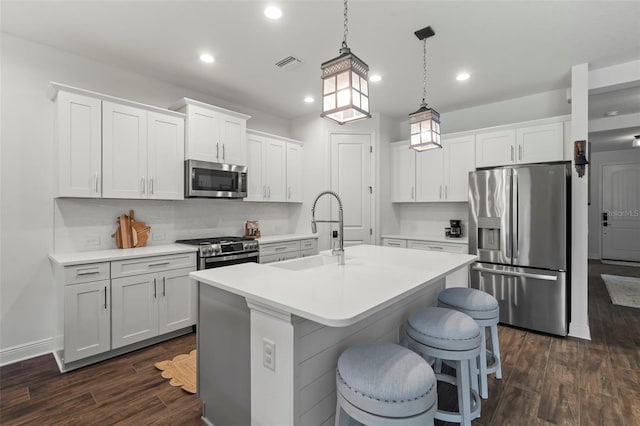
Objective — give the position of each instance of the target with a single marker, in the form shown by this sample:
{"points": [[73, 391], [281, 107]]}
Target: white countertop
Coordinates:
{"points": [[373, 278], [79, 258], [285, 237], [435, 238]]}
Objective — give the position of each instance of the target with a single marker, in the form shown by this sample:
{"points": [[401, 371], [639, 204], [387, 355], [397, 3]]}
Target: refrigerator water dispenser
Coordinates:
{"points": [[489, 233]]}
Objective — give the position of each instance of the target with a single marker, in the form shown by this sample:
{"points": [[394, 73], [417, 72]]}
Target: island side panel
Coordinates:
{"points": [[318, 347], [224, 358]]}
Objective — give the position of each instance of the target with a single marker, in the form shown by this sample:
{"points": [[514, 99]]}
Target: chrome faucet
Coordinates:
{"points": [[340, 250]]}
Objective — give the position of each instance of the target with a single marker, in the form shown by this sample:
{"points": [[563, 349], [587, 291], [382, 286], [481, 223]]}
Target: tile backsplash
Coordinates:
{"points": [[87, 224], [426, 219]]}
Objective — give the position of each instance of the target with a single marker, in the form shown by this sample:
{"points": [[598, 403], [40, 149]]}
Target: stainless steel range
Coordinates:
{"points": [[223, 251]]}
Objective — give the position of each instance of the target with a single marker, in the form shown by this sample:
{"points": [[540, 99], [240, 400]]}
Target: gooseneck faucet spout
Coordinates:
{"points": [[340, 250]]}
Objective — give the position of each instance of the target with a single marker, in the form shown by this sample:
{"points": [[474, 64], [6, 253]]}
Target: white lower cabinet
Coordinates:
{"points": [[87, 319], [285, 250], [144, 306], [459, 278], [110, 305]]}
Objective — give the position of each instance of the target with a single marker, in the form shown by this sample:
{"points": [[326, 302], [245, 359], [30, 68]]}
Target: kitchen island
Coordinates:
{"points": [[269, 335]]}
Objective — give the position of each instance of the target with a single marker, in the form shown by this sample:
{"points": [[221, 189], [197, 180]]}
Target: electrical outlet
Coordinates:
{"points": [[158, 236], [92, 241], [269, 354]]}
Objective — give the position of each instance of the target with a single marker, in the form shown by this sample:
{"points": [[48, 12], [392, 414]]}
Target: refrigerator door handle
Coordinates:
{"points": [[516, 274], [515, 248]]}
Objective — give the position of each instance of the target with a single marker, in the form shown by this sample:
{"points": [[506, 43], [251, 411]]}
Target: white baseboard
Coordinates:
{"points": [[580, 331], [26, 351]]}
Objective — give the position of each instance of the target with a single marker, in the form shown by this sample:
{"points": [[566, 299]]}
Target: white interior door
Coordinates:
{"points": [[621, 212], [351, 179]]}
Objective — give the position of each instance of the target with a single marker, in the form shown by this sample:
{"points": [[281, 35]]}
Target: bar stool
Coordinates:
{"points": [[384, 384], [448, 335], [484, 309]]}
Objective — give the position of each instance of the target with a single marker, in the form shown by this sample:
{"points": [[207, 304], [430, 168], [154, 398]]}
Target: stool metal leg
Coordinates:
{"points": [[495, 349], [484, 389]]}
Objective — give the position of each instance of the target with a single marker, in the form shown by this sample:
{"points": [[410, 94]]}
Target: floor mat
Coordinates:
{"points": [[624, 291], [181, 370]]}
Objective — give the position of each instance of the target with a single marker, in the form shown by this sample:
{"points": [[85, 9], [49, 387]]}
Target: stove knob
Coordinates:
{"points": [[216, 249], [206, 251]]}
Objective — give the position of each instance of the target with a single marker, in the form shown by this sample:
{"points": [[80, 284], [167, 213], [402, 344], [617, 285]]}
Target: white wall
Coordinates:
{"points": [[430, 219], [531, 107], [599, 159], [32, 223]]}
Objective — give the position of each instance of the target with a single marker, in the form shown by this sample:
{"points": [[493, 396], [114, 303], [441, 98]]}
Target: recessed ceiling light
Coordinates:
{"points": [[273, 12], [463, 76], [611, 113], [309, 99], [206, 58], [636, 141], [374, 78]]}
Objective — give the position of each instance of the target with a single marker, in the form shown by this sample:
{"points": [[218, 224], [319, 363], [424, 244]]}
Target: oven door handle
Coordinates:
{"points": [[218, 259]]}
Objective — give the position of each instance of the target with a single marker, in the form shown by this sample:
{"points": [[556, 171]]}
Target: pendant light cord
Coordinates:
{"points": [[424, 74], [346, 25]]}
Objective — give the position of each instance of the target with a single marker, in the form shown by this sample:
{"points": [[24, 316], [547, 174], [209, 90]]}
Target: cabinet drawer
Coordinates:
{"points": [[394, 242], [310, 244], [279, 257], [86, 273], [436, 246], [124, 268], [280, 248]]}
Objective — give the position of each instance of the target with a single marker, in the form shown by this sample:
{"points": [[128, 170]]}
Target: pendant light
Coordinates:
{"points": [[345, 89], [425, 122]]}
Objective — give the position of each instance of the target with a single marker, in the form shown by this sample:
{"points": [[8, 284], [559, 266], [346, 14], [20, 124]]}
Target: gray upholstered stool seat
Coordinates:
{"points": [[385, 384], [448, 335], [484, 309], [475, 303]]}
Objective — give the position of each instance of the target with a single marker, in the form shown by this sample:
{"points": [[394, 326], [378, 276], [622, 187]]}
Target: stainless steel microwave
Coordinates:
{"points": [[214, 180]]}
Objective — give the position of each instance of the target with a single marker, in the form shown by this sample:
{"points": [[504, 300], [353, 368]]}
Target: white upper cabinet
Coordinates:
{"points": [[496, 148], [434, 175], [403, 172], [540, 144], [294, 172], [165, 166], [521, 145], [459, 160], [429, 172], [79, 145], [213, 134], [124, 161], [114, 148], [273, 168]]}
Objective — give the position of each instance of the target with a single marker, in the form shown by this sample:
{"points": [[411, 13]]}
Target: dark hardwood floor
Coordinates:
{"points": [[546, 380]]}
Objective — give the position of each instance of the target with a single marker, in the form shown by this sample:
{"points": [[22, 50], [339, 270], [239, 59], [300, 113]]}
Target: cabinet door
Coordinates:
{"points": [[540, 144], [79, 139], [459, 160], [496, 148], [429, 175], [87, 320], [134, 309], [203, 135], [165, 167], [403, 172], [233, 140], [124, 151], [275, 169], [394, 242], [256, 188], [177, 300], [294, 173]]}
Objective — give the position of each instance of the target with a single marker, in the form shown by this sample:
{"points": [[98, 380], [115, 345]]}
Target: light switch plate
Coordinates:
{"points": [[269, 354]]}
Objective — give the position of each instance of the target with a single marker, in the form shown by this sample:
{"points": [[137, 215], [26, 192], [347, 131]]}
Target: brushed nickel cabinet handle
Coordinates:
{"points": [[142, 190], [105, 297], [217, 151], [97, 189], [155, 289], [164, 286], [223, 153], [151, 186], [512, 153]]}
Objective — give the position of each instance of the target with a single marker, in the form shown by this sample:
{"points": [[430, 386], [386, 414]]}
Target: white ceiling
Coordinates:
{"points": [[510, 48]]}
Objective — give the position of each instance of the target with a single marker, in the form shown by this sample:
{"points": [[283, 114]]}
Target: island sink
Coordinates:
{"points": [[305, 263]]}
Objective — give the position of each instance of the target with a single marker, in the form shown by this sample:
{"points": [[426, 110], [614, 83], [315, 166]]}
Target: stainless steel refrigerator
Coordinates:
{"points": [[519, 229]]}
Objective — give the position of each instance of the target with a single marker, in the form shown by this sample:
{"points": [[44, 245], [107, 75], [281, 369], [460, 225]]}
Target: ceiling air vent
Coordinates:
{"points": [[289, 63]]}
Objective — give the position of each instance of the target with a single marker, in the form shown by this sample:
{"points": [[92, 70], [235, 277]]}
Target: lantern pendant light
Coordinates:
{"points": [[345, 86], [425, 122]]}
